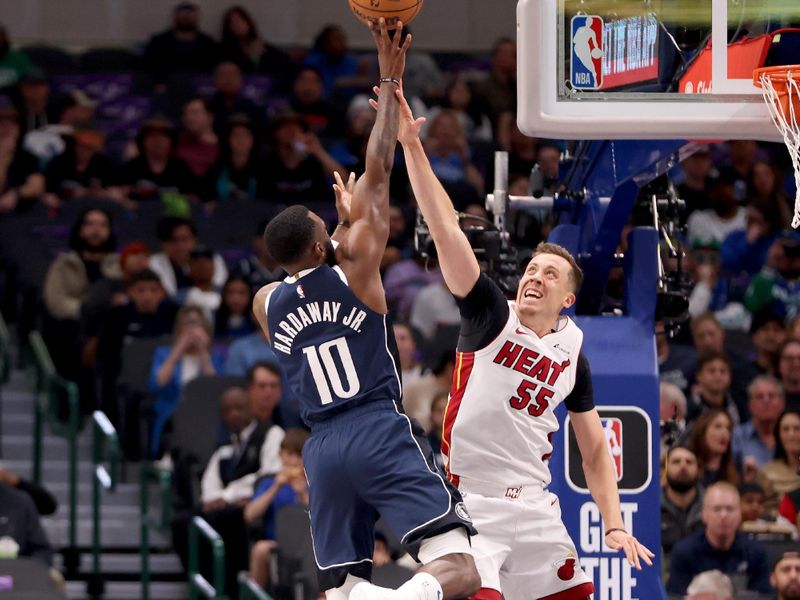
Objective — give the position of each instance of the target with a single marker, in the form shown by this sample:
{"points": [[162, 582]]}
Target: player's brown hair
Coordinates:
{"points": [[575, 274], [294, 439]]}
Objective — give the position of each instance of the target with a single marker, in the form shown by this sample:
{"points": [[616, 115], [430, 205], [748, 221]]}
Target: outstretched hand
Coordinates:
{"points": [[344, 194], [409, 126], [634, 551], [391, 51]]}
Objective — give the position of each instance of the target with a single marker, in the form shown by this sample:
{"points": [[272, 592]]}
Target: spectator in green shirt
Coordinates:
{"points": [[13, 63]]}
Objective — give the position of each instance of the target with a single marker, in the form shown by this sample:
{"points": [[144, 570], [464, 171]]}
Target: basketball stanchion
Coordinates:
{"points": [[781, 89]]}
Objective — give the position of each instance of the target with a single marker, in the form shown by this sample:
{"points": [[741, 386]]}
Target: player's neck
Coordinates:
{"points": [[541, 324]]}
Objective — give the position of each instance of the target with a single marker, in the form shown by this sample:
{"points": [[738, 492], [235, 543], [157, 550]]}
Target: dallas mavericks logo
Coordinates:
{"points": [[586, 65]]}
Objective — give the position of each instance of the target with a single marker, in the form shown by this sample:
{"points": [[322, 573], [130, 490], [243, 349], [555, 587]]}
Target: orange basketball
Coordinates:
{"points": [[369, 11]]}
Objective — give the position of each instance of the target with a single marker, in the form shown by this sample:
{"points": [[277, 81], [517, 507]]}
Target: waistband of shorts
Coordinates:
{"points": [[352, 413], [511, 490]]}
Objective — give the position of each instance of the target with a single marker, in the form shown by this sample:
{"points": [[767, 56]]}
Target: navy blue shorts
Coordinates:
{"points": [[371, 462]]}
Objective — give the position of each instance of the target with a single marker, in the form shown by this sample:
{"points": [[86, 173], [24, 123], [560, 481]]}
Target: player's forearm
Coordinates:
{"points": [[383, 139], [602, 484]]}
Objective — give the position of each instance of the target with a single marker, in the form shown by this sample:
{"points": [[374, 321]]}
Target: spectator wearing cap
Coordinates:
{"points": [[182, 48], [308, 101], [242, 44], [780, 475], [20, 179], [237, 175], [754, 441], [82, 170], [228, 99], [298, 167], [698, 172], [719, 546], [198, 144], [789, 372], [178, 237], [681, 497], [202, 293], [13, 63], [778, 283], [155, 170], [724, 215]]}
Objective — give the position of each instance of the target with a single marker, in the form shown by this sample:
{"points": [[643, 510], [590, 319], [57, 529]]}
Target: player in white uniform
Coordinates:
{"points": [[516, 362]]}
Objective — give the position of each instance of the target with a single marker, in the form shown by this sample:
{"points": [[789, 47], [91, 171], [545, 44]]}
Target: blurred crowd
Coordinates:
{"points": [[149, 174]]}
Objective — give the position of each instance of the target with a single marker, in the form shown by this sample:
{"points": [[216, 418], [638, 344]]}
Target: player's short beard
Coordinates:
{"points": [[330, 254]]}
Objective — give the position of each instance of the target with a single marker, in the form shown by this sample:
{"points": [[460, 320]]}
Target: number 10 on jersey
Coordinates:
{"points": [[326, 373]]}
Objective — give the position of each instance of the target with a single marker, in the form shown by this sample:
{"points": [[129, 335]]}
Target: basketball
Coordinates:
{"points": [[597, 53], [369, 11]]}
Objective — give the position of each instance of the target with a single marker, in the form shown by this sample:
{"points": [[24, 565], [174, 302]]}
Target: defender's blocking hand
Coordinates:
{"points": [[409, 126]]}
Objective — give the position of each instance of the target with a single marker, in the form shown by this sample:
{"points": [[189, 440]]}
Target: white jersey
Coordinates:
{"points": [[500, 415]]}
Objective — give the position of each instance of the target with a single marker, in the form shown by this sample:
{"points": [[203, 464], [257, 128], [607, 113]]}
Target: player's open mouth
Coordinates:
{"points": [[535, 294]]}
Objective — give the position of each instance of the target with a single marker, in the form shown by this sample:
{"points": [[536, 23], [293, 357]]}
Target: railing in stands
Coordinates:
{"points": [[54, 394], [249, 589], [199, 586], [105, 451], [161, 522], [5, 366]]}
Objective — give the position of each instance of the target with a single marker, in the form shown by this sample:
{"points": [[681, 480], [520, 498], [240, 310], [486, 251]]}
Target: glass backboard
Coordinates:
{"points": [[650, 69]]}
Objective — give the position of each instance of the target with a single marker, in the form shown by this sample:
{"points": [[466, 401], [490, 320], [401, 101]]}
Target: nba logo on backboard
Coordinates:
{"points": [[586, 65], [613, 430]]}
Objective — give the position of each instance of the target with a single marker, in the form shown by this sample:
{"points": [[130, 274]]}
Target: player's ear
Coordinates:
{"points": [[569, 300]]}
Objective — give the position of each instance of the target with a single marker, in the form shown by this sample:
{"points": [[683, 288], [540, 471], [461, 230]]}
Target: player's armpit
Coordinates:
{"points": [[260, 306]]}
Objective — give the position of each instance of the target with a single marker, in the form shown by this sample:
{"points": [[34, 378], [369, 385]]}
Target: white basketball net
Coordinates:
{"points": [[787, 124]]}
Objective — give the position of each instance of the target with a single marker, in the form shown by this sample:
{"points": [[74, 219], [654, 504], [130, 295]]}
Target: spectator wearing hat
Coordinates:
{"points": [[20, 180], [237, 175], [778, 284], [198, 144], [308, 101], [698, 173], [182, 48], [155, 170], [13, 63], [228, 99], [82, 170], [178, 237], [724, 215]]}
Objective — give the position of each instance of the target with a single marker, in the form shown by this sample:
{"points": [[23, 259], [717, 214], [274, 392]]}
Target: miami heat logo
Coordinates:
{"points": [[300, 291], [566, 568]]}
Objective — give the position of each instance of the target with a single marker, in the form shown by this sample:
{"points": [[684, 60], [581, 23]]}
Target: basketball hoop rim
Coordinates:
{"points": [[777, 73]]}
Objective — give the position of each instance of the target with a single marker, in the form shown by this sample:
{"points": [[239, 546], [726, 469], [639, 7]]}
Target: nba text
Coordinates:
{"points": [[609, 569], [315, 312]]}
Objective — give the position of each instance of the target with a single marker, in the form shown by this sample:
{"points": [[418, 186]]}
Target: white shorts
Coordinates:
{"points": [[522, 548]]}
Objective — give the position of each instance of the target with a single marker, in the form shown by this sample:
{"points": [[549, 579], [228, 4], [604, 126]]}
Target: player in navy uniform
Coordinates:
{"points": [[328, 326]]}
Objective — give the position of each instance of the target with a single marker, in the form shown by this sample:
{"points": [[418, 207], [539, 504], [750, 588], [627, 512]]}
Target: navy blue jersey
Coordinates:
{"points": [[333, 348]]}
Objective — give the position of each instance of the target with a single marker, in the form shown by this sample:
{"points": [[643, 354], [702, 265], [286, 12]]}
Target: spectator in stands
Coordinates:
{"points": [[242, 45], [742, 155], [403, 282], [785, 576], [778, 283], [447, 147], [351, 152], [20, 522], [20, 180], [299, 165], [234, 318], [156, 170], [182, 48], [698, 173], [198, 145], [672, 415], [331, 57], [681, 497], [264, 389], [308, 101], [793, 329], [438, 405], [724, 215], [399, 246], [202, 293], [780, 475], [754, 441], [67, 284], [708, 335], [710, 585], [719, 546], [288, 487], [246, 352], [44, 501], [789, 372], [33, 90], [228, 99], [744, 251], [434, 307], [83, 170], [189, 356], [755, 519], [548, 158], [498, 91], [789, 508], [13, 63], [712, 388], [418, 395], [676, 362], [259, 268], [237, 174], [767, 334], [710, 292], [459, 99], [422, 77], [407, 352], [765, 184], [710, 440], [178, 237]]}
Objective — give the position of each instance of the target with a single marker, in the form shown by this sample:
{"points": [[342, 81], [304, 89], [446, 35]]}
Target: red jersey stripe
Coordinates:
{"points": [[463, 369]]}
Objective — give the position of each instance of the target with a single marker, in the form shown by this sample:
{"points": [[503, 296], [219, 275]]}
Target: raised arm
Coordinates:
{"points": [[456, 258]]}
